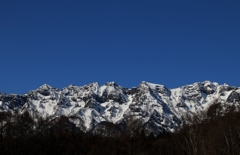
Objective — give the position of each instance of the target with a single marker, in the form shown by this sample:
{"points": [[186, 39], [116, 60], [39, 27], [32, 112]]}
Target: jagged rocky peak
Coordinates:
{"points": [[45, 90], [143, 83], [70, 90], [147, 85], [71, 86], [111, 91], [114, 84], [92, 87], [223, 88], [46, 87], [144, 86], [86, 91], [109, 87], [209, 87], [161, 89], [150, 85], [195, 89]]}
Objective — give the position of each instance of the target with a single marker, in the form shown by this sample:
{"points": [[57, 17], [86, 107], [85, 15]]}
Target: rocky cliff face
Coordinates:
{"points": [[91, 106]]}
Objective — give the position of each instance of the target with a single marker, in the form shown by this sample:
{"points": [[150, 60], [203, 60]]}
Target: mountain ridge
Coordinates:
{"points": [[159, 108]]}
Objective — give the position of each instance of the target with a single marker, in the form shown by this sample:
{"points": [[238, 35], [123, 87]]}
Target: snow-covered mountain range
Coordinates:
{"points": [[159, 108]]}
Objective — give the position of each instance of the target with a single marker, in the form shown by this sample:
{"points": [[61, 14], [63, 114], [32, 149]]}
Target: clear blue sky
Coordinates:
{"points": [[170, 42]]}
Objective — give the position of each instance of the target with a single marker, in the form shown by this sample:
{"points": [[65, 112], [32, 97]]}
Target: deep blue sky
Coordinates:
{"points": [[170, 42]]}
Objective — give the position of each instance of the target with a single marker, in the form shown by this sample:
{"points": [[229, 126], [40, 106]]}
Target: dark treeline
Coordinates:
{"points": [[208, 133]]}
